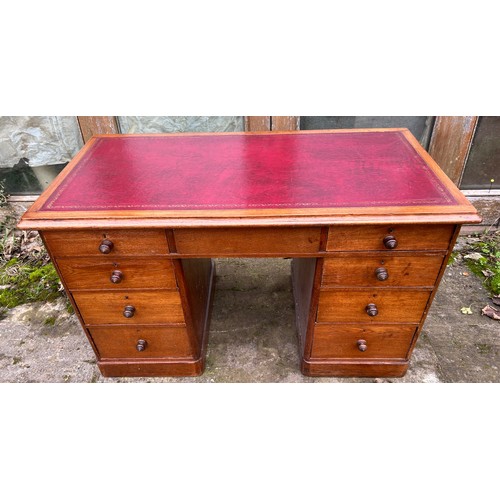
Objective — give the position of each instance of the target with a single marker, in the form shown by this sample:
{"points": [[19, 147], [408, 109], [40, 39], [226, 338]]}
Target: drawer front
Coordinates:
{"points": [[157, 342], [123, 242], [161, 306], [381, 269], [392, 306], [245, 241], [362, 342], [115, 273], [407, 237]]}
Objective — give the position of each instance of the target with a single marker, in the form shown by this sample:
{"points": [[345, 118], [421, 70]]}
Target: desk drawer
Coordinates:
{"points": [[161, 306], [362, 342], [406, 237], [157, 342], [98, 272], [392, 306], [217, 242], [123, 242], [381, 269]]}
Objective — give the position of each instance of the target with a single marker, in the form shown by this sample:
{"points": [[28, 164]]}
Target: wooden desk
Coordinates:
{"points": [[369, 219]]}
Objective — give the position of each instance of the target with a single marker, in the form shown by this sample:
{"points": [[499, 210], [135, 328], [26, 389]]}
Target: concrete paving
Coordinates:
{"points": [[253, 338]]}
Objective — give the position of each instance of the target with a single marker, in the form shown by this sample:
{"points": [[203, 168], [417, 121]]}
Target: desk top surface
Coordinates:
{"points": [[250, 175]]}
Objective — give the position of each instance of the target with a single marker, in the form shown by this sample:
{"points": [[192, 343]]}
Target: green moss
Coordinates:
{"points": [[50, 321], [487, 266], [28, 283], [453, 258]]}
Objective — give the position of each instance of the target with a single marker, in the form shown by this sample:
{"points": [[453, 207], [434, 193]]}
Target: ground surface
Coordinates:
{"points": [[252, 335]]}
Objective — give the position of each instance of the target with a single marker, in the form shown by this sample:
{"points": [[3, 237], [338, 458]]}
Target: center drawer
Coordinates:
{"points": [[161, 306], [218, 242], [115, 272], [390, 306]]}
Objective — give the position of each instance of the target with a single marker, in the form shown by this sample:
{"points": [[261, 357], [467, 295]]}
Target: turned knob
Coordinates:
{"points": [[390, 242], [106, 246], [362, 345], [381, 273], [129, 311], [141, 345], [116, 276], [371, 310]]}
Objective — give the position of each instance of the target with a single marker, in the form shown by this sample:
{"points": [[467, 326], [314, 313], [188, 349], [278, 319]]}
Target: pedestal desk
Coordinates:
{"points": [[367, 217]]}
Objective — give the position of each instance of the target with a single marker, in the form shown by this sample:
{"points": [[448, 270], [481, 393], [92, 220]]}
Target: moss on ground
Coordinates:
{"points": [[482, 257], [26, 273]]}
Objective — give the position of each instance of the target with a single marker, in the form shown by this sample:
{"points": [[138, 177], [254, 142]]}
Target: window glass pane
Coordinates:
{"points": [[165, 124], [420, 126], [34, 149], [483, 163]]}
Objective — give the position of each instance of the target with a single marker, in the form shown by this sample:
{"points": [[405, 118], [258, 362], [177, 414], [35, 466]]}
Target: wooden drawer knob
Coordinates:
{"points": [[116, 276], [141, 345], [371, 310], [390, 242], [129, 311], [362, 345], [381, 273], [106, 246]]}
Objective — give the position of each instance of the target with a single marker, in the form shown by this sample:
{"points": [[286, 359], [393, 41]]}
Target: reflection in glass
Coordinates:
{"points": [[419, 126], [483, 163]]}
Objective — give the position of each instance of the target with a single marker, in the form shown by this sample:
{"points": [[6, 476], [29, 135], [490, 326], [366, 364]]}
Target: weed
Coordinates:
{"points": [[3, 195], [50, 321], [487, 265]]}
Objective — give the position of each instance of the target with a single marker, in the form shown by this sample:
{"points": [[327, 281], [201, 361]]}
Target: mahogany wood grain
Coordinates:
{"points": [[128, 242], [93, 125], [312, 218], [451, 142], [354, 368], [121, 342], [303, 281], [242, 241], [382, 341], [409, 237], [399, 305], [196, 279], [159, 367], [137, 272], [403, 269], [105, 307]]}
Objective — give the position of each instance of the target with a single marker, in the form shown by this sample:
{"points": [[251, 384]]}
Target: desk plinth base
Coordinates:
{"points": [[152, 368], [339, 368]]}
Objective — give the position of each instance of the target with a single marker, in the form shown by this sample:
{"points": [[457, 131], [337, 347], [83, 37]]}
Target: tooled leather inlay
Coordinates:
{"points": [[354, 169]]}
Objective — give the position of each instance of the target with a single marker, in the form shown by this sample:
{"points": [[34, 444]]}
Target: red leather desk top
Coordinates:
{"points": [[248, 171]]}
